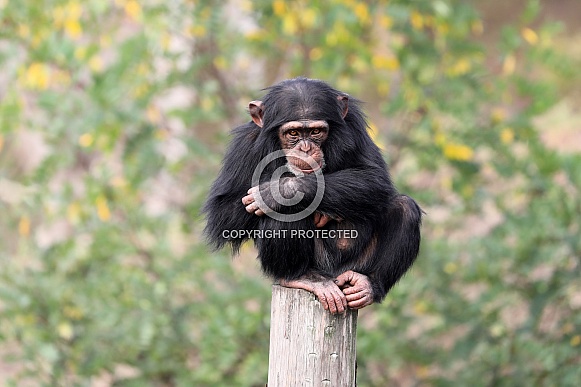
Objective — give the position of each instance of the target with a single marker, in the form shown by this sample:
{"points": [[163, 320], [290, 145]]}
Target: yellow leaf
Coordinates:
{"points": [[417, 20], [420, 307], [73, 28], [24, 226], [446, 183], [576, 340], [255, 35], [86, 140], [246, 5], [74, 10], [315, 54], [140, 90], [133, 10], [199, 31], [103, 211], [498, 115], [567, 328], [360, 65], [220, 62], [458, 152], [74, 212], [530, 36], [451, 268], [73, 312], [153, 114], [506, 135], [362, 12], [24, 31], [143, 69], [161, 134], [331, 39], [383, 89], [119, 182], [443, 28], [309, 18], [386, 22], [105, 40], [96, 64], [477, 27], [461, 67], [58, 16], [80, 53], [279, 7], [468, 191], [289, 24], [509, 65], [207, 104], [497, 330], [385, 62], [37, 76], [65, 331]]}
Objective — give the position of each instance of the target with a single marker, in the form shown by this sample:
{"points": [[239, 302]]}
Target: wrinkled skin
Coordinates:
{"points": [[348, 290]]}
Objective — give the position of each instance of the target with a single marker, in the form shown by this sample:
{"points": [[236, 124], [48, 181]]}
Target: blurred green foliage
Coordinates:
{"points": [[112, 125]]}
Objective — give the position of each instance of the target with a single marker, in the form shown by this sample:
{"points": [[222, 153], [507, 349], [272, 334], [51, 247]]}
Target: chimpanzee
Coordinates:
{"points": [[305, 181]]}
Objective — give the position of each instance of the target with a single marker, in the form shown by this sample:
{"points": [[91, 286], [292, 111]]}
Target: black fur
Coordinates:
{"points": [[358, 190]]}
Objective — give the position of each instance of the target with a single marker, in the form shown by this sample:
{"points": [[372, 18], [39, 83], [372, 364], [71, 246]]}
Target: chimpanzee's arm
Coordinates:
{"points": [[356, 194], [223, 211]]}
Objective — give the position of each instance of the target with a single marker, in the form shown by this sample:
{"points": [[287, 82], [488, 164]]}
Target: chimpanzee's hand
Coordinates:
{"points": [[329, 294], [270, 196], [250, 202], [357, 289], [322, 219]]}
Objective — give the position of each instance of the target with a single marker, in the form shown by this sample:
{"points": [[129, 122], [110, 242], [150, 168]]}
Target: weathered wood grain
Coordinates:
{"points": [[308, 345]]}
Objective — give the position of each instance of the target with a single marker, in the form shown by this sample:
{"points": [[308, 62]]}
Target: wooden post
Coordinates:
{"points": [[308, 345]]}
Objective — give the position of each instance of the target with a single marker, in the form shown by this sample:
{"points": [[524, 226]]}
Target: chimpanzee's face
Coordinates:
{"points": [[301, 141]]}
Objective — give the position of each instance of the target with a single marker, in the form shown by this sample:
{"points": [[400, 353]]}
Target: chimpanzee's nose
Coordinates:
{"points": [[305, 146]]}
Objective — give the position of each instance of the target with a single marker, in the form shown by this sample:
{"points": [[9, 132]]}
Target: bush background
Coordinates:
{"points": [[114, 118]]}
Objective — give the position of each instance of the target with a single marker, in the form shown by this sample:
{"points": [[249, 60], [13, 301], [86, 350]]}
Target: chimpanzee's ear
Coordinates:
{"points": [[256, 110], [344, 103]]}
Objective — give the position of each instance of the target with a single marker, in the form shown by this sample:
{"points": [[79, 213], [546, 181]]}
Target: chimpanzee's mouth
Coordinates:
{"points": [[310, 170], [303, 171]]}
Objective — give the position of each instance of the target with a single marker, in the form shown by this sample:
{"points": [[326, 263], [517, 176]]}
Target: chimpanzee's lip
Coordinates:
{"points": [[310, 170]]}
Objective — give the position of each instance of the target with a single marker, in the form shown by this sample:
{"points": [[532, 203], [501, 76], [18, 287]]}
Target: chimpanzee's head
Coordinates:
{"points": [[301, 112]]}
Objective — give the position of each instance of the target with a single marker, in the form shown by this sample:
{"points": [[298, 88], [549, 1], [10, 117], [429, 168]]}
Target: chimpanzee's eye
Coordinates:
{"points": [[316, 131], [293, 133]]}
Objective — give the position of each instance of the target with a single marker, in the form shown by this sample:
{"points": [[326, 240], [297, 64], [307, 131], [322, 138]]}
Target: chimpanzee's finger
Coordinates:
{"points": [[355, 296], [340, 301], [362, 302], [323, 300], [344, 278], [351, 290], [252, 207], [323, 220], [246, 200]]}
